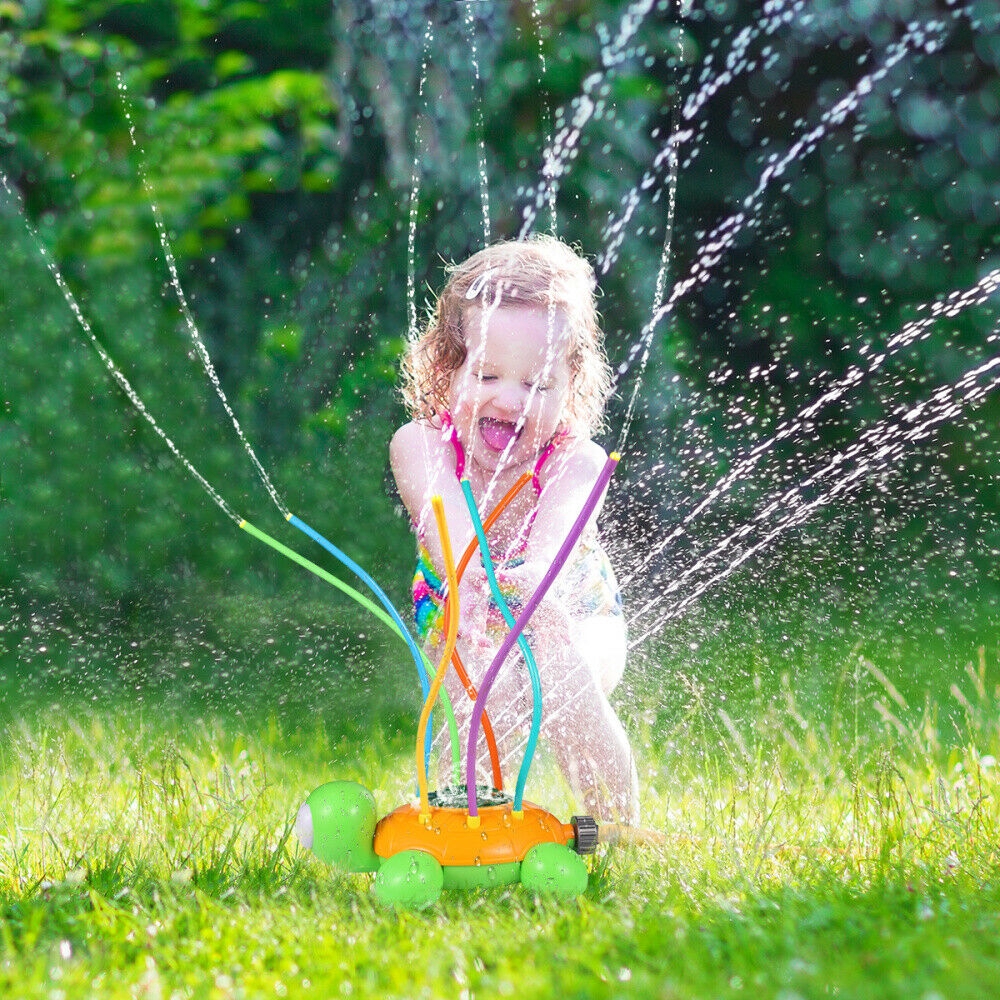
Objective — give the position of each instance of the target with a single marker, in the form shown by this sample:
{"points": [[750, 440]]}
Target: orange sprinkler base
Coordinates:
{"points": [[501, 835]]}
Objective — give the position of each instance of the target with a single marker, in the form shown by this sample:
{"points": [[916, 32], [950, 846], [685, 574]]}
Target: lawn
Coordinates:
{"points": [[152, 765]]}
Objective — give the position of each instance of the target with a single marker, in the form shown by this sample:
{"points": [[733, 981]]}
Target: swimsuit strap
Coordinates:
{"points": [[546, 453], [448, 427]]}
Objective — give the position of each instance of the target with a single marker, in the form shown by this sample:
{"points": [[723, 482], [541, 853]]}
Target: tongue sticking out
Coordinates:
{"points": [[497, 433]]}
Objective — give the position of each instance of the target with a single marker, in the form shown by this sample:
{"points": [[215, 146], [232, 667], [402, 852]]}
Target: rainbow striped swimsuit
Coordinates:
{"points": [[586, 585]]}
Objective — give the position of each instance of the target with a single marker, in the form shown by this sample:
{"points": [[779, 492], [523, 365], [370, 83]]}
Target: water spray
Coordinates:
{"points": [[189, 321], [950, 307], [475, 836], [589, 506], [445, 845], [882, 443]]}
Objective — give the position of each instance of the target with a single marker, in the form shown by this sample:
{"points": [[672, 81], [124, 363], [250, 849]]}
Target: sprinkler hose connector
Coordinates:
{"points": [[585, 834]]}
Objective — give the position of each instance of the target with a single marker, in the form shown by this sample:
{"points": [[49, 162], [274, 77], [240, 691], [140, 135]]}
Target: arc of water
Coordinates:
{"points": [[536, 15], [557, 152], [777, 14], [116, 373], [411, 236], [665, 256], [583, 107], [413, 331], [488, 304], [723, 236], [213, 377], [136, 400], [542, 448], [951, 306], [879, 444], [119, 377], [484, 185], [189, 321]]}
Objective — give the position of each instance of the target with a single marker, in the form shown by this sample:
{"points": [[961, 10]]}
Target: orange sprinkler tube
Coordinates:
{"points": [[449, 648], [488, 734], [503, 504]]}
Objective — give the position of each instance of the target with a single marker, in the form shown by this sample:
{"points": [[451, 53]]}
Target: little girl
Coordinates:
{"points": [[508, 377]]}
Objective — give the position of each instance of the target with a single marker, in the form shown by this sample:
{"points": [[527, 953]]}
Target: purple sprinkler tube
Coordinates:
{"points": [[589, 505]]}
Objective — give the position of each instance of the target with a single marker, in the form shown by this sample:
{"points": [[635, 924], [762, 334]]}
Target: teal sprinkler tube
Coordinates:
{"points": [[394, 622], [522, 643]]}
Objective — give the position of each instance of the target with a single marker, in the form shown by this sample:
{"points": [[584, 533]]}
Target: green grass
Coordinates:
{"points": [[847, 847]]}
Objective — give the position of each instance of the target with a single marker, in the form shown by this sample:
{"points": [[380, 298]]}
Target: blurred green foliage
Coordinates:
{"points": [[281, 144]]}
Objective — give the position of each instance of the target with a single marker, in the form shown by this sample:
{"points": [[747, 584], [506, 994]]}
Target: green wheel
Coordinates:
{"points": [[555, 870], [411, 880]]}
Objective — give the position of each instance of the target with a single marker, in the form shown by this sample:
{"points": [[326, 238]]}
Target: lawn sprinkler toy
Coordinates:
{"points": [[415, 856], [467, 836], [463, 836]]}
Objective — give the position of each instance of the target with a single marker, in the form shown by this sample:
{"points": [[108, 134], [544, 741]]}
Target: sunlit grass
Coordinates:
{"points": [[846, 851]]}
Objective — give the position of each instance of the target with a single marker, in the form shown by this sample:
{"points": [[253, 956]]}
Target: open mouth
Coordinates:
{"points": [[497, 434]]}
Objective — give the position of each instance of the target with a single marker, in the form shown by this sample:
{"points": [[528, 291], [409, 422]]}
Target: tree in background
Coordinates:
{"points": [[294, 150], [279, 143]]}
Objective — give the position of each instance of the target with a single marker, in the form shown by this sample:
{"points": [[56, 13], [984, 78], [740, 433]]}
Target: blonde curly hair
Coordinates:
{"points": [[542, 271]]}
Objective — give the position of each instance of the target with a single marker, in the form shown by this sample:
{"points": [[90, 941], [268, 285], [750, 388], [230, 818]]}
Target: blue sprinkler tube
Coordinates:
{"points": [[522, 643], [394, 614]]}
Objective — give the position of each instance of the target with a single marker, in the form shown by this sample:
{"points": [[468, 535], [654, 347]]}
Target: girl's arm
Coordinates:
{"points": [[566, 481], [423, 465]]}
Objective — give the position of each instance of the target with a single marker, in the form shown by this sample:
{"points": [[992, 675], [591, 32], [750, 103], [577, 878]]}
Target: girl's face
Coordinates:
{"points": [[507, 398]]}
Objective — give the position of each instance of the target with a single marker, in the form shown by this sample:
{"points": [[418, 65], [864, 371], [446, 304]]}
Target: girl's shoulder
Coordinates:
{"points": [[577, 456], [583, 449], [417, 434], [416, 453]]}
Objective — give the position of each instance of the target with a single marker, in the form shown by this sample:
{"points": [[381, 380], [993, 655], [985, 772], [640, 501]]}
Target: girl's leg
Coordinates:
{"points": [[505, 710], [586, 734], [579, 663]]}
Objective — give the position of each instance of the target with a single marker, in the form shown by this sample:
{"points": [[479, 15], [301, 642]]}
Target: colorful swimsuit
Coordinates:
{"points": [[586, 585]]}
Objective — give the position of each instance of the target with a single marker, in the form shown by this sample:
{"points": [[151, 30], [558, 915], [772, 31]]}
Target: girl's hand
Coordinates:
{"points": [[474, 599], [524, 578]]}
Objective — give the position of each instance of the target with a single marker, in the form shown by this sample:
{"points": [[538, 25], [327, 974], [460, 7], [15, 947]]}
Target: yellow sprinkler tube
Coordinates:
{"points": [[449, 647]]}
